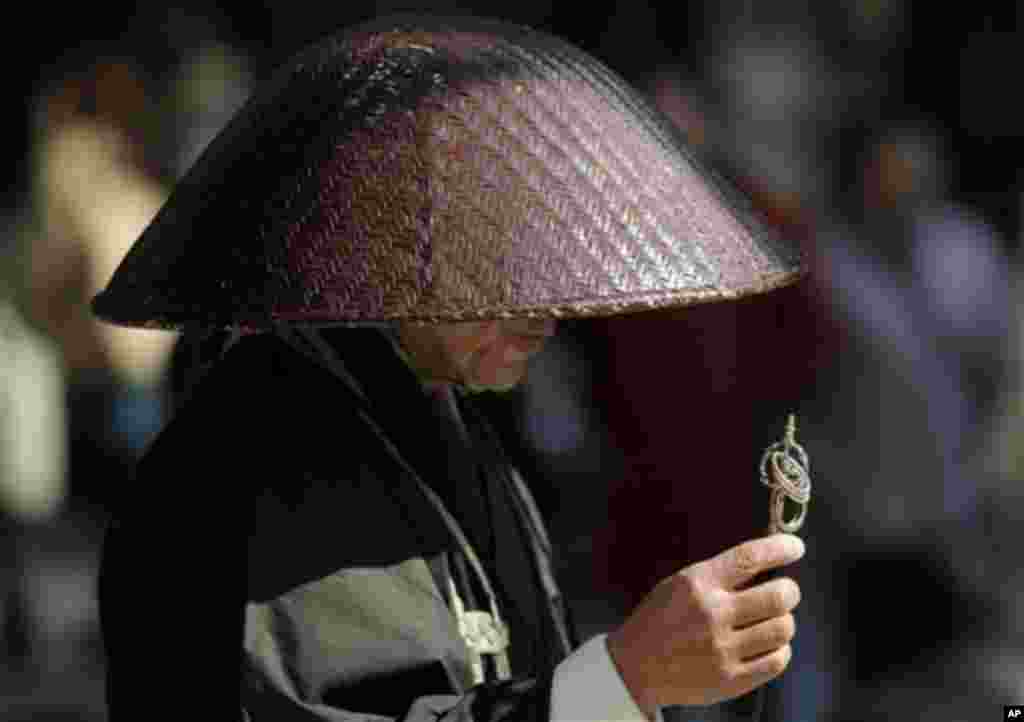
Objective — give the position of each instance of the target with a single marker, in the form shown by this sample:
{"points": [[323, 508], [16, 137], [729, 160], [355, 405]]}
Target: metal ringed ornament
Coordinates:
{"points": [[785, 469]]}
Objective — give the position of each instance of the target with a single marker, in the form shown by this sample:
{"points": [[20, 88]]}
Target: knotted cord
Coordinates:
{"points": [[786, 470]]}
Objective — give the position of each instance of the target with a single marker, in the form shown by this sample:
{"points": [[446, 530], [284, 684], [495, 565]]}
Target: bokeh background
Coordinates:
{"points": [[885, 136]]}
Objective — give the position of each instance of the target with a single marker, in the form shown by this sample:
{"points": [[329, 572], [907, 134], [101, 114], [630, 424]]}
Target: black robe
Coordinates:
{"points": [[272, 556]]}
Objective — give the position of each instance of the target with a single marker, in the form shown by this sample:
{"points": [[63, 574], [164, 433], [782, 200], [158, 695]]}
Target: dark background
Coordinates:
{"points": [[955, 67]]}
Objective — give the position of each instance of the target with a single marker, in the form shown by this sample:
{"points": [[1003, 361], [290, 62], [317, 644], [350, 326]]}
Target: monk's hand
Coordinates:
{"points": [[702, 635]]}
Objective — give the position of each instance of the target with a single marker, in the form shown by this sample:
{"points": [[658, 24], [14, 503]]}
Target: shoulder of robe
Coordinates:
{"points": [[263, 416], [269, 453]]}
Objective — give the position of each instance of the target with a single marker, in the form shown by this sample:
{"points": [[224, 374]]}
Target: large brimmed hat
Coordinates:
{"points": [[442, 170]]}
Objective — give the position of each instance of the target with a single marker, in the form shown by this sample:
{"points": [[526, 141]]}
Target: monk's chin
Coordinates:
{"points": [[473, 388], [472, 383], [499, 387]]}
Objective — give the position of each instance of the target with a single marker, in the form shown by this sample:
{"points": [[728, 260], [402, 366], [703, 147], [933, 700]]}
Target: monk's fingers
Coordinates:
{"points": [[763, 638], [765, 601], [758, 671], [739, 564]]}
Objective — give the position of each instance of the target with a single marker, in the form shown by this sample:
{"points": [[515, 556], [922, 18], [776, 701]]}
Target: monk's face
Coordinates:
{"points": [[480, 355]]}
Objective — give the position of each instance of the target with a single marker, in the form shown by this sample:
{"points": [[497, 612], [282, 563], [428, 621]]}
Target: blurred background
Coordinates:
{"points": [[883, 135]]}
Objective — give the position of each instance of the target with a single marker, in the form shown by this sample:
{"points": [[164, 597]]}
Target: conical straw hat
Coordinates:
{"points": [[442, 170]]}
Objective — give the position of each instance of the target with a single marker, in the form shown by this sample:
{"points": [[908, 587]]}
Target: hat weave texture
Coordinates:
{"points": [[442, 170]]}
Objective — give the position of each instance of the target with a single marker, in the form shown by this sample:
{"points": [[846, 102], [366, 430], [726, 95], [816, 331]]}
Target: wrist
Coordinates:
{"points": [[619, 650]]}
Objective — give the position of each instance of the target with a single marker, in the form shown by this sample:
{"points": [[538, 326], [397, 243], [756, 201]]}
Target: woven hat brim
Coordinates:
{"points": [[171, 319]]}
